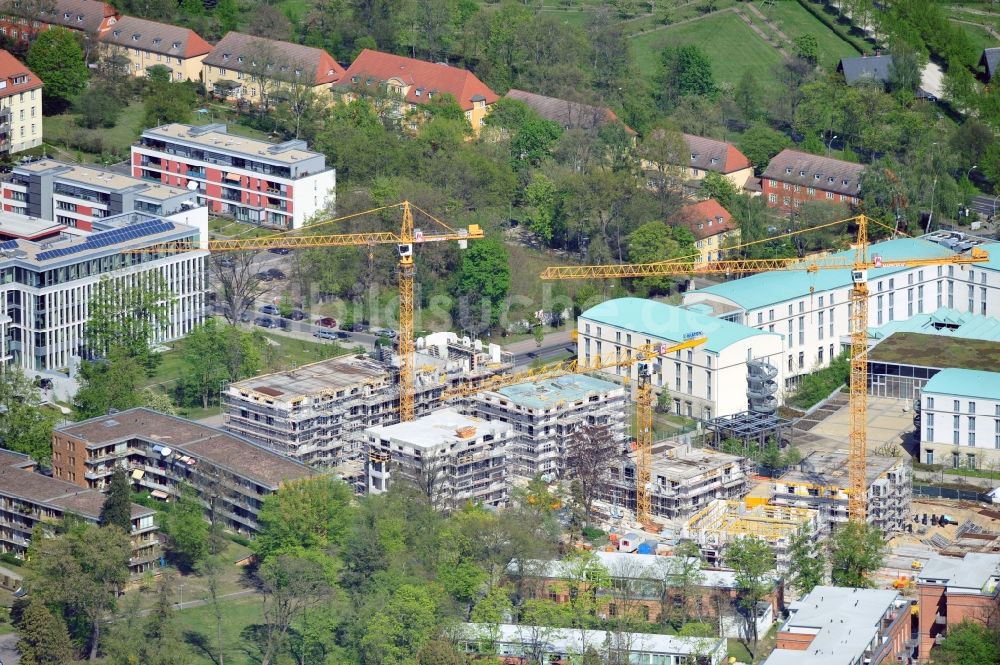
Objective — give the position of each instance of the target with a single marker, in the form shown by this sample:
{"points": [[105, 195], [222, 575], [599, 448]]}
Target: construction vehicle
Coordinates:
{"points": [[645, 356], [859, 266], [404, 239]]}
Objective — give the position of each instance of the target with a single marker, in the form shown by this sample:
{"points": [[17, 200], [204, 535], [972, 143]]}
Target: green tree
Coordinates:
{"points": [[856, 551], [129, 318], [396, 634], [807, 48], [97, 107], [542, 199], [43, 639], [168, 102], [215, 353], [806, 565], [96, 560], [25, 424], [311, 513], [760, 144], [683, 70], [653, 242], [56, 58], [968, 643], [161, 642], [290, 587], [227, 13], [117, 507], [747, 96], [904, 73], [533, 141], [770, 457], [111, 384], [483, 284], [753, 561], [186, 529]]}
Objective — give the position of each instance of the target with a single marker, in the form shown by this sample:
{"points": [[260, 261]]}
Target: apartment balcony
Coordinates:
{"points": [[277, 205], [195, 172], [6, 116], [146, 160]]}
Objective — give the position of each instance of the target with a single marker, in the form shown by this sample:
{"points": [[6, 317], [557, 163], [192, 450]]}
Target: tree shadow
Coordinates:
{"points": [[254, 641], [201, 644]]}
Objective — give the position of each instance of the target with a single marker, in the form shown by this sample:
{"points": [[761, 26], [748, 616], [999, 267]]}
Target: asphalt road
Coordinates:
{"points": [[985, 204], [8, 650], [545, 353]]}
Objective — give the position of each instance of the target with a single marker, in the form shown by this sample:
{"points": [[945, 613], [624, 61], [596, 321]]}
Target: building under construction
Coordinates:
{"points": [[684, 480], [820, 481], [721, 522], [317, 413], [547, 414]]}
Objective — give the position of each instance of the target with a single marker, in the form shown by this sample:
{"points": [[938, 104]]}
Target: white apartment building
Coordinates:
{"points": [[811, 310], [280, 185], [451, 457], [45, 287], [705, 382], [960, 419], [20, 106], [546, 414], [75, 195]]}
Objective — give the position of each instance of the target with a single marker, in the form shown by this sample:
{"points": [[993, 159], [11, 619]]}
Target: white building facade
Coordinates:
{"points": [[960, 419], [812, 310], [704, 382], [45, 288], [281, 185]]}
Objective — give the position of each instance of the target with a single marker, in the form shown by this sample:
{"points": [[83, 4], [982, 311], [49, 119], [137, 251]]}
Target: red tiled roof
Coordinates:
{"points": [[703, 150], [240, 52], [10, 69], [703, 219], [156, 37], [419, 77], [568, 114]]}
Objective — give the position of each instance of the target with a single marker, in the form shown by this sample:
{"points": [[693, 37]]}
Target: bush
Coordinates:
{"points": [[591, 533], [238, 539], [831, 23], [817, 386], [96, 107]]}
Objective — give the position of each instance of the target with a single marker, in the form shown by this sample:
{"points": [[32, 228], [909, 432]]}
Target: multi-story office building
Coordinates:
{"points": [[707, 381], [453, 458], [547, 414], [23, 20], [953, 590], [254, 70], [74, 196], [811, 310], [960, 419], [231, 475], [20, 106], [47, 285], [145, 44], [29, 499], [820, 483], [280, 185], [317, 413], [838, 626], [793, 177]]}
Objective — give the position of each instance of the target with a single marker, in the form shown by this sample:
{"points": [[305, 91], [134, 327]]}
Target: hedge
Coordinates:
{"points": [[859, 45]]}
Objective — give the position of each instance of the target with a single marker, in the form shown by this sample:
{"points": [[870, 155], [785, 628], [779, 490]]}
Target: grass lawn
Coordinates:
{"points": [[197, 626], [59, 129], [979, 37], [795, 21], [739, 651], [721, 36]]}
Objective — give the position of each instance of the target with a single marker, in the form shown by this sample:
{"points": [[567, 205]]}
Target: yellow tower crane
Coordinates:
{"points": [[644, 356], [859, 266], [405, 239]]}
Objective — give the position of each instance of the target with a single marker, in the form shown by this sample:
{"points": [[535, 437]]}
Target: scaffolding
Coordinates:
{"points": [[748, 427]]}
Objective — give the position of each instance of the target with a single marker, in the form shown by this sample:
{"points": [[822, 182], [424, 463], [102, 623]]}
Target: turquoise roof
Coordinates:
{"points": [[945, 321], [771, 288], [965, 383], [547, 392], [670, 323]]}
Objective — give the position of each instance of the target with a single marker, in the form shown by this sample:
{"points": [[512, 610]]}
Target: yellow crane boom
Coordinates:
{"points": [[404, 240], [859, 265], [644, 403]]}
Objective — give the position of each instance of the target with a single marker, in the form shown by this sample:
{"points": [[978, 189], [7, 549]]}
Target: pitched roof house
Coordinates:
{"points": [[90, 16], [866, 68], [150, 43], [990, 61], [710, 224], [418, 82], [571, 115], [247, 54], [793, 177]]}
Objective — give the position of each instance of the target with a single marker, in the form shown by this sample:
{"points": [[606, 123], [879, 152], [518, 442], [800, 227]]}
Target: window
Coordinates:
{"points": [[954, 437], [972, 423], [760, 318], [772, 198], [970, 461], [829, 195], [820, 355], [791, 367], [956, 406], [956, 421], [930, 403], [972, 438], [928, 456], [972, 407], [802, 360], [930, 420], [785, 200], [955, 463], [770, 315]]}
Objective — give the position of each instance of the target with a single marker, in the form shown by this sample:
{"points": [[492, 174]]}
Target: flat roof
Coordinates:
{"points": [[972, 571], [572, 640], [683, 462], [217, 138], [229, 451], [438, 428], [27, 228], [778, 286], [830, 469], [91, 177], [923, 350], [547, 393], [844, 622], [965, 383], [631, 566], [946, 322], [332, 374], [667, 322]]}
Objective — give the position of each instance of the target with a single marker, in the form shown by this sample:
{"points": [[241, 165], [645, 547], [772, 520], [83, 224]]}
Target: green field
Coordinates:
{"points": [[730, 44], [197, 627], [61, 131], [978, 35], [795, 21]]}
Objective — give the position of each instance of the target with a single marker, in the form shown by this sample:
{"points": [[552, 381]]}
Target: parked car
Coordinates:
{"points": [[275, 273], [264, 277], [296, 315], [270, 309], [279, 250], [283, 324], [265, 322], [246, 316], [327, 322], [227, 262], [327, 334], [359, 327]]}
